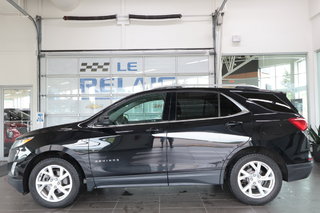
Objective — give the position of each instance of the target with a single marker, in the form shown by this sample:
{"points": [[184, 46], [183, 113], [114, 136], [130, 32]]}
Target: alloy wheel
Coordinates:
{"points": [[256, 179], [53, 183]]}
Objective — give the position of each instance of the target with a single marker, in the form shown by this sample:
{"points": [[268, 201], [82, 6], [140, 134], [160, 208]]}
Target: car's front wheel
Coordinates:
{"points": [[255, 179], [54, 183]]}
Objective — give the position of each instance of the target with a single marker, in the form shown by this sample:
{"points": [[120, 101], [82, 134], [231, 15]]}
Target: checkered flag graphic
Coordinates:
{"points": [[95, 67]]}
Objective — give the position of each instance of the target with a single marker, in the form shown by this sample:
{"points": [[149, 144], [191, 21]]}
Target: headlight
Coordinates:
{"points": [[20, 142]]}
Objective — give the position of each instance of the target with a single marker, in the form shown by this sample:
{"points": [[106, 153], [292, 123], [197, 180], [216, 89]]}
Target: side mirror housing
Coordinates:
{"points": [[103, 121]]}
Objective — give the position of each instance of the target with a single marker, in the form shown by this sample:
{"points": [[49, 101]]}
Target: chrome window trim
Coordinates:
{"points": [[174, 121], [242, 112], [242, 108]]}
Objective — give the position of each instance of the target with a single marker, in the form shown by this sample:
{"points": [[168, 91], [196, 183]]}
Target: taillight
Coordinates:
{"points": [[300, 123]]}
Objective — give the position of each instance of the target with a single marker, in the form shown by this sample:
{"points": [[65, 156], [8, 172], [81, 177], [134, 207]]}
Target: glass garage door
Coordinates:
{"points": [[74, 87]]}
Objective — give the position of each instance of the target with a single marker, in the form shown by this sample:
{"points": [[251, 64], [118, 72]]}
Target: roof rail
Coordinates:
{"points": [[167, 87], [236, 86], [232, 86], [247, 87]]}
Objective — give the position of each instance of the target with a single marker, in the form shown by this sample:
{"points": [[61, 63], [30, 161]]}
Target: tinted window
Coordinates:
{"points": [[227, 107], [196, 105], [148, 108], [268, 101]]}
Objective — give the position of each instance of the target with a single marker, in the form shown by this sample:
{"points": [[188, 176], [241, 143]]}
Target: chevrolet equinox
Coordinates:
{"points": [[248, 138]]}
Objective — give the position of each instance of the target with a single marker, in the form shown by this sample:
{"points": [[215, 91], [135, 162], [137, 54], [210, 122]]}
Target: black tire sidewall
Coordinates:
{"points": [[233, 180], [75, 183]]}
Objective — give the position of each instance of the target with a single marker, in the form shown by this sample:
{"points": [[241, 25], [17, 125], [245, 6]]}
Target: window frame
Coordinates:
{"points": [[125, 109]]}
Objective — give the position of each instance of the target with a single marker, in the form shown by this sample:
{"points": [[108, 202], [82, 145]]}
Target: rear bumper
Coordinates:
{"points": [[298, 171]]}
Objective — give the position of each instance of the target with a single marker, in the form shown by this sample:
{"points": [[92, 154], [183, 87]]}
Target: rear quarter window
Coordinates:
{"points": [[267, 100], [227, 107]]}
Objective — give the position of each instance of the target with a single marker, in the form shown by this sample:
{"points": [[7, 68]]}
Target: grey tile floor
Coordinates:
{"points": [[295, 197]]}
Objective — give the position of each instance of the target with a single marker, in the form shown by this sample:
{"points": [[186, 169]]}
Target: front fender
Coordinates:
{"points": [[80, 156]]}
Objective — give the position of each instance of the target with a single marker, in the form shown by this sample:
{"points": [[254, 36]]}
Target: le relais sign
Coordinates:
{"points": [[96, 85]]}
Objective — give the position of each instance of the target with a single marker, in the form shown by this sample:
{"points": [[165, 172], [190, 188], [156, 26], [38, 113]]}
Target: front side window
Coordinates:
{"points": [[144, 109], [196, 105]]}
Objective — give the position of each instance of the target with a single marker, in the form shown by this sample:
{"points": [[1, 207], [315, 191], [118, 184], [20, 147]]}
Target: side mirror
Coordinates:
{"points": [[103, 121]]}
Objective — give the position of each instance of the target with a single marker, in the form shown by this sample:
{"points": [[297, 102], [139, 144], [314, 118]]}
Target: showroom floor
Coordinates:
{"points": [[300, 196]]}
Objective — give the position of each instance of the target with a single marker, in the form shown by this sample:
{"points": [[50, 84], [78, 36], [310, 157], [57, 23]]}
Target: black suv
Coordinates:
{"points": [[249, 138]]}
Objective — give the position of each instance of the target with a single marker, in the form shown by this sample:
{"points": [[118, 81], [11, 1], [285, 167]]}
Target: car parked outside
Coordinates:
{"points": [[248, 138]]}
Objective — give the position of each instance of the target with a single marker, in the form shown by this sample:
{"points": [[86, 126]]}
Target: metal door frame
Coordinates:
{"points": [[17, 87]]}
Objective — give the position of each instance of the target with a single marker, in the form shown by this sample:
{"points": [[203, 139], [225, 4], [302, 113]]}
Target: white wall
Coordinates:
{"points": [[267, 26], [17, 50], [314, 7], [314, 65], [18, 53], [190, 32]]}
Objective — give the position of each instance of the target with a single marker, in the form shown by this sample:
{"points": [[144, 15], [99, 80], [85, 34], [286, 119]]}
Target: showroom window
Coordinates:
{"points": [[75, 86], [286, 73], [15, 111]]}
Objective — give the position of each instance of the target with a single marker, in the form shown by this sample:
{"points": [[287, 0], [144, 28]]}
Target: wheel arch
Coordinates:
{"points": [[255, 150], [49, 154]]}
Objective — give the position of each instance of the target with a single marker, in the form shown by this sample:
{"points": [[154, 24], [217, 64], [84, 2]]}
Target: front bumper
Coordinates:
{"points": [[17, 183], [18, 160], [299, 171]]}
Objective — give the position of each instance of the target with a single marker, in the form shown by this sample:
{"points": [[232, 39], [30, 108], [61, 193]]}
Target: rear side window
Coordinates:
{"points": [[269, 101], [194, 105]]}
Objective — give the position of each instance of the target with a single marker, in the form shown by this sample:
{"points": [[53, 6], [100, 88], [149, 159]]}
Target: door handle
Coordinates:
{"points": [[153, 130], [234, 123]]}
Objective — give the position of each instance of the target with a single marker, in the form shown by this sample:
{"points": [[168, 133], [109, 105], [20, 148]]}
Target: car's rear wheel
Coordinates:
{"points": [[54, 183], [255, 179]]}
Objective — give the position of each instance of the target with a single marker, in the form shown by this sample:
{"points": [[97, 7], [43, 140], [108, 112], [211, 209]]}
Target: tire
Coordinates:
{"points": [[49, 188], [252, 185]]}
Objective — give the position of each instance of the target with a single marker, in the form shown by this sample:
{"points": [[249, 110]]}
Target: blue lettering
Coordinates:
{"points": [[138, 81], [119, 69], [87, 83], [105, 84], [153, 80], [90, 85], [132, 66], [120, 82], [162, 79]]}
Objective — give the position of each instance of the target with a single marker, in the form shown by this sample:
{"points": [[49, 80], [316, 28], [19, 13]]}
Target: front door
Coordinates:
{"points": [[132, 149], [207, 128]]}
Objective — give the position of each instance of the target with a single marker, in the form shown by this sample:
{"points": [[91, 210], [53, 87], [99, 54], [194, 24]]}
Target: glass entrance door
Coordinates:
{"points": [[16, 115]]}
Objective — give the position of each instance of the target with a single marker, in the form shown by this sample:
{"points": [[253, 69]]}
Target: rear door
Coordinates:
{"points": [[207, 127]]}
